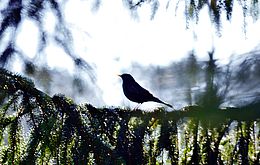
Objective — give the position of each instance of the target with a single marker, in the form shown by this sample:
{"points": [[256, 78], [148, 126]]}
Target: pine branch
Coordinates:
{"points": [[65, 132]]}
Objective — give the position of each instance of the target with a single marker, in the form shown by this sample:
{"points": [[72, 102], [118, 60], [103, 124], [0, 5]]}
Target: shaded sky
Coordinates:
{"points": [[111, 39]]}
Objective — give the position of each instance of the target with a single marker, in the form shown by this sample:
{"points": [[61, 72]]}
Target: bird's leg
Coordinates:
{"points": [[136, 107]]}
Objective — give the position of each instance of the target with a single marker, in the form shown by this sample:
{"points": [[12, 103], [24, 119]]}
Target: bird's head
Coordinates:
{"points": [[126, 77]]}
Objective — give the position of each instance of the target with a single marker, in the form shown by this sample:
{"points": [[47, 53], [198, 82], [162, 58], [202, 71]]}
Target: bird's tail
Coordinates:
{"points": [[159, 101]]}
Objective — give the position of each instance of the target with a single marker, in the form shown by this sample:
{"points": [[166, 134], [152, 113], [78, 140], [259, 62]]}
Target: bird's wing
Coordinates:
{"points": [[146, 95], [134, 92], [142, 92]]}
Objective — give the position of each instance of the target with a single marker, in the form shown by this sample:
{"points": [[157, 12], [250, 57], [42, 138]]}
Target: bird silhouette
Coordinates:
{"points": [[134, 92]]}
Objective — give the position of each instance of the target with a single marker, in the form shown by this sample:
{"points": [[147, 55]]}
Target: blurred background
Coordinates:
{"points": [[185, 52]]}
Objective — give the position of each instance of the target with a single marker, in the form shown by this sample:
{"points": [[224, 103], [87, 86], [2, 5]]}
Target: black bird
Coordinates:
{"points": [[134, 92]]}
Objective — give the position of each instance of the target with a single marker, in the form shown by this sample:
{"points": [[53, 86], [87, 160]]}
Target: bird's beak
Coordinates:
{"points": [[119, 75]]}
